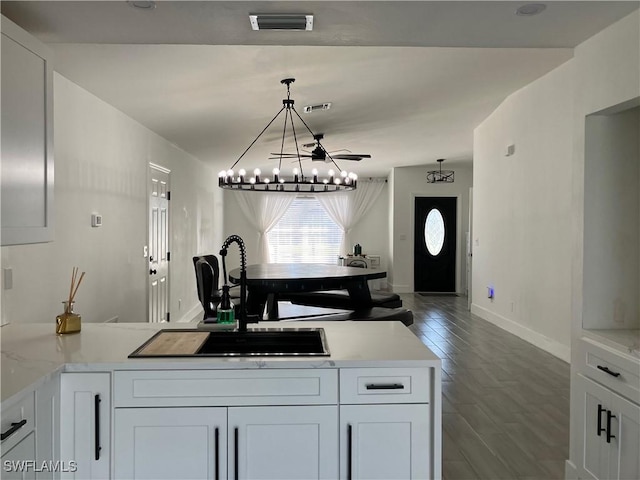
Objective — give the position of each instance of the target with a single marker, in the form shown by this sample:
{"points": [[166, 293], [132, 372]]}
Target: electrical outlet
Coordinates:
{"points": [[490, 292]]}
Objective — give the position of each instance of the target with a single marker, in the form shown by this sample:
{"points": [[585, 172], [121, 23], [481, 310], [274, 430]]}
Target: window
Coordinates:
{"points": [[434, 232], [305, 234]]}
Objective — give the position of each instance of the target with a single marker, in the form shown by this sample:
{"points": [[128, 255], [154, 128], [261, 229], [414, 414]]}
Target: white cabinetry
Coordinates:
{"points": [[611, 433], [283, 443], [386, 424], [170, 443], [85, 424], [27, 138], [15, 461], [19, 438], [384, 441], [277, 424]]}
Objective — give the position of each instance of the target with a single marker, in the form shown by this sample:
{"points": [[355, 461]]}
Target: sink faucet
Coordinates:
{"points": [[242, 314]]}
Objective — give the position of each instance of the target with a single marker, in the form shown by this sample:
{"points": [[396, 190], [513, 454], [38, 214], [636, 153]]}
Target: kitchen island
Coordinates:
{"points": [[370, 409]]}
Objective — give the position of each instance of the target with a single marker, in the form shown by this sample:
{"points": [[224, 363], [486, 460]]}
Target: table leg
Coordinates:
{"points": [[359, 294], [256, 302], [272, 306]]}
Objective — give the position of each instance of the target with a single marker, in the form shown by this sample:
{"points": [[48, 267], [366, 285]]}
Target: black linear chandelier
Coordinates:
{"points": [[297, 182], [440, 176]]}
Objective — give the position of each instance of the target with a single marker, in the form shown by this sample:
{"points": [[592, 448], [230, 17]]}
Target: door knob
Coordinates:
{"points": [[153, 272]]}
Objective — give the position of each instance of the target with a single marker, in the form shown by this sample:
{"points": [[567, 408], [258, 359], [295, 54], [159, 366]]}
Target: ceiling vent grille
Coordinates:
{"points": [[315, 108], [281, 22]]}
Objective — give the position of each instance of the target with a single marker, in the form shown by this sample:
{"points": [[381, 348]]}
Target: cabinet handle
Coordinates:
{"points": [[600, 412], [96, 402], [609, 417], [384, 386], [349, 453], [15, 426], [606, 370], [235, 456], [217, 446]]}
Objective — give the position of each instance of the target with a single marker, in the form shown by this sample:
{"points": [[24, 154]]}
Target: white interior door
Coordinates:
{"points": [[159, 255]]}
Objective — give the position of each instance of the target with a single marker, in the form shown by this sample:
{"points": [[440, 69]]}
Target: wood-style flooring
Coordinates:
{"points": [[505, 403]]}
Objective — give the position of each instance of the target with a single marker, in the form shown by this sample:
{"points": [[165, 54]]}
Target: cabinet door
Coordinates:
{"points": [[27, 138], [170, 443], [13, 462], [283, 443], [594, 402], [48, 427], [385, 441], [85, 420], [624, 461]]}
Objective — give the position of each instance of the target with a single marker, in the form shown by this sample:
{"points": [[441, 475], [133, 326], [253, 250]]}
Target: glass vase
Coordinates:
{"points": [[68, 321]]}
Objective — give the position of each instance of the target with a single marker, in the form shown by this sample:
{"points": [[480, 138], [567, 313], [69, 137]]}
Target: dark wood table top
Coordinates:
{"points": [[268, 273]]}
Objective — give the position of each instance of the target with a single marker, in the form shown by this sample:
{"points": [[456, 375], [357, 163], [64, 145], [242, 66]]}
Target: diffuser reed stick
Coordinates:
{"points": [[75, 284]]}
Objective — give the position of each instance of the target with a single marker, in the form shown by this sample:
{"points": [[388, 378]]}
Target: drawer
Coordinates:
{"points": [[18, 420], [225, 387], [385, 385], [618, 372]]}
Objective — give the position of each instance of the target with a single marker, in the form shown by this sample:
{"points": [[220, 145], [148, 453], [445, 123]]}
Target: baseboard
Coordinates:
{"points": [[547, 344], [193, 314], [400, 288], [570, 471]]}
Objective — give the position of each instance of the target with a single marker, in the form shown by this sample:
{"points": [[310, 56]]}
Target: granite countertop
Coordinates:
{"points": [[31, 353]]}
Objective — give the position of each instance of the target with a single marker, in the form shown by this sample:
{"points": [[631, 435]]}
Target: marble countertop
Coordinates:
{"points": [[31, 353]]}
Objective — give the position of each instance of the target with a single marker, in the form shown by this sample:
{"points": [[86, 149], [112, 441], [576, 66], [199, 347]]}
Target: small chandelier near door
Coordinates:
{"points": [[297, 182], [440, 176]]}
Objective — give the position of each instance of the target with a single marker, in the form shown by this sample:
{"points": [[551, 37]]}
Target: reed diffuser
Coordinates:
{"points": [[68, 321]]}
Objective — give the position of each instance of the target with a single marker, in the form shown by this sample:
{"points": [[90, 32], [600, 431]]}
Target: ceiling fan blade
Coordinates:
{"points": [[289, 155], [351, 156]]}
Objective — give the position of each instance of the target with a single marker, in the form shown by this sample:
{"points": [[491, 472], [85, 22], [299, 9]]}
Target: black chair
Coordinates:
{"points": [[208, 283]]}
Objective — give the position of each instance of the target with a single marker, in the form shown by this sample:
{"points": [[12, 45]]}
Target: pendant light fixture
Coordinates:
{"points": [[440, 176], [278, 181]]}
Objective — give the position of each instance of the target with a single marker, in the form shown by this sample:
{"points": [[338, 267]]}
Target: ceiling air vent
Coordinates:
{"points": [[269, 21], [315, 108]]}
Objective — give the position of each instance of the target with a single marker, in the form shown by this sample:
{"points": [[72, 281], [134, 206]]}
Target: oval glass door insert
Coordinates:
{"points": [[434, 232]]}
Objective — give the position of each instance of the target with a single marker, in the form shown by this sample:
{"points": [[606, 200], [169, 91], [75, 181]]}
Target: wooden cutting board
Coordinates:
{"points": [[174, 343]]}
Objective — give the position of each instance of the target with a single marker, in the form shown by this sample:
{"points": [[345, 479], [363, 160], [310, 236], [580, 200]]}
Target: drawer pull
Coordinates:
{"points": [[15, 426], [385, 386], [349, 452], [96, 412], [609, 434], [600, 412], [606, 370]]}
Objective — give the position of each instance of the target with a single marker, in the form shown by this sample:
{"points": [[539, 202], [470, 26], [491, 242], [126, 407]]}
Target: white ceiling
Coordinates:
{"points": [[195, 72]]}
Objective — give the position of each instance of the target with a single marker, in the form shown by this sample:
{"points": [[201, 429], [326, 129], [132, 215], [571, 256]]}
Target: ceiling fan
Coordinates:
{"points": [[320, 154]]}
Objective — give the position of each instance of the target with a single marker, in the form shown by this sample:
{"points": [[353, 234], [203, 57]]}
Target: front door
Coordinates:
{"points": [[434, 263], [158, 244]]}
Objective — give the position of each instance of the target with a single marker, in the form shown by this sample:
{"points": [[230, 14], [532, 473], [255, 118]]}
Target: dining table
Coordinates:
{"points": [[269, 282]]}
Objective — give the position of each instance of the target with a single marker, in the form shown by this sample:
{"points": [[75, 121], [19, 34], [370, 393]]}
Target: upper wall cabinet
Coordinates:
{"points": [[26, 177]]}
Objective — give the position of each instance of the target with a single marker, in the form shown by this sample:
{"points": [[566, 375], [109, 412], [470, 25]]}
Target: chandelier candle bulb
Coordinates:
{"points": [[314, 172], [242, 173], [276, 172]]}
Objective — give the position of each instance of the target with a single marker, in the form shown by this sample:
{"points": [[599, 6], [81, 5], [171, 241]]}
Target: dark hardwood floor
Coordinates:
{"points": [[505, 402]]}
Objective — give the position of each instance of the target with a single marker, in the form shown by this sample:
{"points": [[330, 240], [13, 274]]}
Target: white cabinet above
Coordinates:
{"points": [[27, 138]]}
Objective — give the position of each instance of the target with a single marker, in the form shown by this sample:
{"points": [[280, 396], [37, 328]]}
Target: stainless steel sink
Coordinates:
{"points": [[284, 342], [255, 342]]}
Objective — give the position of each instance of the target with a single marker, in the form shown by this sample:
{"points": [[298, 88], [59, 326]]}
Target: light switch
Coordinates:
{"points": [[7, 278]]}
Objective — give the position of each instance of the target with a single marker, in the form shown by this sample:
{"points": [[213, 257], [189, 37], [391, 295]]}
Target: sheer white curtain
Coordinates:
{"points": [[346, 209], [264, 210]]}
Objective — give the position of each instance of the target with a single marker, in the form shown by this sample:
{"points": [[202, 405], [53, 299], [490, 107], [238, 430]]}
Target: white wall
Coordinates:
{"points": [[101, 159], [522, 213], [371, 231], [409, 183]]}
